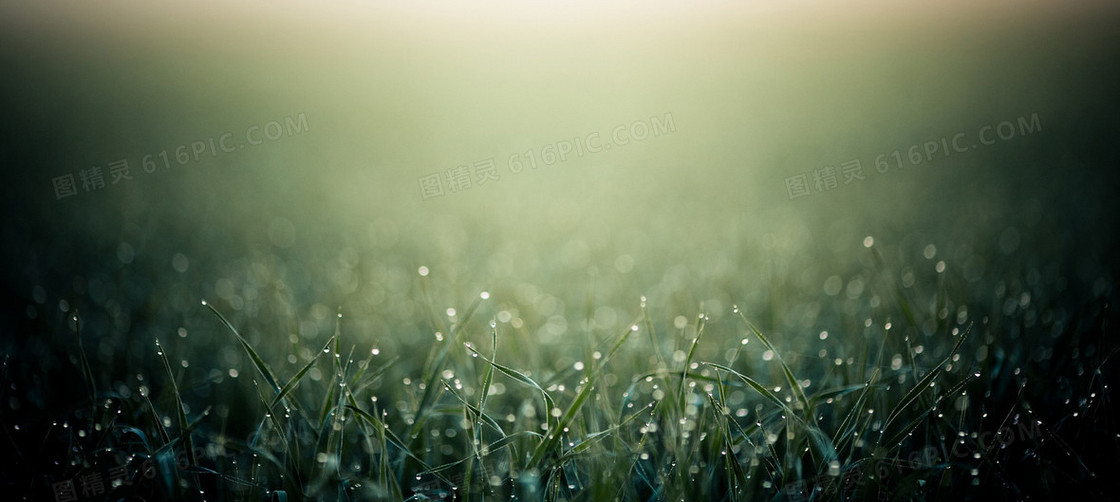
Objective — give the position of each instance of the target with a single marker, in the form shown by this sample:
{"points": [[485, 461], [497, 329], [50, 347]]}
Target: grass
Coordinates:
{"points": [[907, 402]]}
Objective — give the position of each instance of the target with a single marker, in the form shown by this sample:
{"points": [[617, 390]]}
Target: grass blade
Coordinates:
{"points": [[257, 361]]}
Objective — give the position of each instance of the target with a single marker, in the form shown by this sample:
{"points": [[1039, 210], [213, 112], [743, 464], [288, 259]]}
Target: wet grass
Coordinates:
{"points": [[931, 394]]}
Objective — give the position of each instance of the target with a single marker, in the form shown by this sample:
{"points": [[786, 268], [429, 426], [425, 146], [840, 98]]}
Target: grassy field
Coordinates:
{"points": [[259, 312], [916, 388]]}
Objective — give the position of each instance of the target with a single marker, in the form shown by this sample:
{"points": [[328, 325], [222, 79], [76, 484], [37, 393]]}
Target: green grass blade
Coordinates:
{"points": [[924, 383], [794, 383], [180, 412], [754, 385], [552, 438], [298, 376], [256, 358]]}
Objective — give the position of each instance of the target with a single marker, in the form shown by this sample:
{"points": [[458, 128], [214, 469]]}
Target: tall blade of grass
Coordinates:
{"points": [[903, 432], [856, 410], [924, 383], [520, 377], [736, 478], [471, 409], [160, 429], [509, 439], [325, 408], [552, 438], [180, 413], [488, 378], [595, 437], [437, 364], [653, 335], [270, 417], [87, 374], [298, 376], [754, 385], [794, 383], [256, 358], [701, 321]]}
